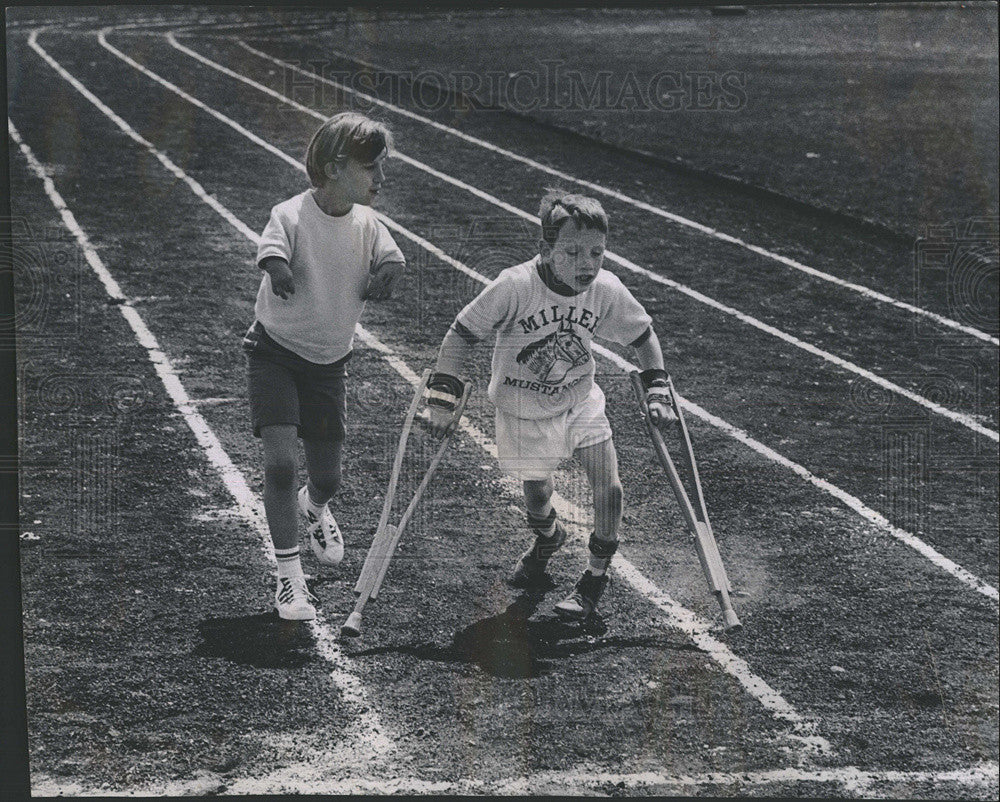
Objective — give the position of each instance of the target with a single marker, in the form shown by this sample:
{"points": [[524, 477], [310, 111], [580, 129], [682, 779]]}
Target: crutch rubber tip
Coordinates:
{"points": [[352, 626], [732, 622]]}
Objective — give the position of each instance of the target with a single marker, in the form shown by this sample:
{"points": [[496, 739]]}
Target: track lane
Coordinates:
{"points": [[120, 601], [794, 718], [834, 248], [969, 421], [838, 439], [865, 292]]}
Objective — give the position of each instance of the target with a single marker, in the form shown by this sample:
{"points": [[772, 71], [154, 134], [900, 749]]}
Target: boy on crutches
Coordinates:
{"points": [[545, 313]]}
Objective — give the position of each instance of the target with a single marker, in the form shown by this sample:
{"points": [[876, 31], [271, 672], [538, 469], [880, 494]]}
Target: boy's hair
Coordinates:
{"points": [[558, 206], [343, 136]]}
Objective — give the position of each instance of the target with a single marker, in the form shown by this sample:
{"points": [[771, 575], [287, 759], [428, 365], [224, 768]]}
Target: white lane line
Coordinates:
{"points": [[874, 295], [581, 780], [924, 549], [958, 417], [852, 778], [682, 619], [367, 733], [207, 402]]}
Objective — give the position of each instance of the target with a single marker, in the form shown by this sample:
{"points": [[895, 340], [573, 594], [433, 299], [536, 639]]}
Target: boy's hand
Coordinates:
{"points": [[657, 386], [282, 283], [443, 393], [383, 280], [660, 411], [440, 421]]}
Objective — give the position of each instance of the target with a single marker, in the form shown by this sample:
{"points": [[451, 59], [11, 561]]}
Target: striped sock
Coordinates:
{"points": [[288, 562], [598, 565], [544, 524]]}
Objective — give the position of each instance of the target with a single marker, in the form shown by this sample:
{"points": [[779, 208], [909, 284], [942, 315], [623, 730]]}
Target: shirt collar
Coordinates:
{"points": [[550, 280]]}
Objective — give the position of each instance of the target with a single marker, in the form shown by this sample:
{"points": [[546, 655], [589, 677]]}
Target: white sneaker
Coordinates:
{"points": [[324, 535], [293, 599]]}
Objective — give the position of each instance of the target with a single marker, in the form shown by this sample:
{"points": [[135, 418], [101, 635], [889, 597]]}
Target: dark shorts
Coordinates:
{"points": [[286, 389]]}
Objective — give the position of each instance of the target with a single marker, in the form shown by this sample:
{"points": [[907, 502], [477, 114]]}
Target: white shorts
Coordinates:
{"points": [[532, 449]]}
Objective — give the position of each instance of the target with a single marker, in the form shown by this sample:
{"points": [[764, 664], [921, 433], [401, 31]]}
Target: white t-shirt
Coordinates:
{"points": [[542, 363], [330, 259]]}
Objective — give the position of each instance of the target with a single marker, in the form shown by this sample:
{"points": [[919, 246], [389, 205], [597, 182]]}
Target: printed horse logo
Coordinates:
{"points": [[555, 355]]}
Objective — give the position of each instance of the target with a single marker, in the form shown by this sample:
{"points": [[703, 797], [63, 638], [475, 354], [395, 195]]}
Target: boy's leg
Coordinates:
{"points": [[601, 464], [274, 412], [323, 464], [538, 500], [323, 414], [549, 533], [600, 461], [531, 450], [280, 483], [292, 597]]}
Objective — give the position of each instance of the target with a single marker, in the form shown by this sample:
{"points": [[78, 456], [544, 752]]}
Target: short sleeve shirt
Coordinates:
{"points": [[542, 360], [330, 259]]}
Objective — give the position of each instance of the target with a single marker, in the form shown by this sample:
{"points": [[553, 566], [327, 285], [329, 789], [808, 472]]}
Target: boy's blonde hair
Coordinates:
{"points": [[348, 135], [559, 206]]}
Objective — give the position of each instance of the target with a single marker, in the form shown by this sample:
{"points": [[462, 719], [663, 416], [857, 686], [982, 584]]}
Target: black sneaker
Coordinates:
{"points": [[582, 602], [530, 568]]}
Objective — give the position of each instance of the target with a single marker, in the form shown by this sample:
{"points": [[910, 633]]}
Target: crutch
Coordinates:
{"points": [[696, 518], [386, 535]]}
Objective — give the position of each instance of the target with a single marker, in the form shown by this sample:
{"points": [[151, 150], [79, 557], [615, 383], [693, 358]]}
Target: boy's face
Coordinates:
{"points": [[576, 256], [356, 182]]}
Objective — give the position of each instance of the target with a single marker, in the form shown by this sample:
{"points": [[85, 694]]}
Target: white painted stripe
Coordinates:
{"points": [[853, 779], [178, 91], [207, 402], [587, 780], [679, 617], [367, 730], [854, 503], [874, 295], [958, 417], [247, 503], [130, 132]]}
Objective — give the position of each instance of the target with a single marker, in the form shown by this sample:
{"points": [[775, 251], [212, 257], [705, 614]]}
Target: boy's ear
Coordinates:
{"points": [[331, 169]]}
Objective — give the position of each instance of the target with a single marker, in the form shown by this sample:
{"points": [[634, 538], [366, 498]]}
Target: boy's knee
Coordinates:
{"points": [[281, 473], [326, 483], [538, 493]]}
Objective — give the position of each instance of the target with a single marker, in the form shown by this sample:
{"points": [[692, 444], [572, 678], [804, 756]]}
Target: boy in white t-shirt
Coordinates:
{"points": [[323, 254], [545, 313]]}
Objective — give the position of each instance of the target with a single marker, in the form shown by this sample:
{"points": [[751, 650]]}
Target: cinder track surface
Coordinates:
{"points": [[155, 663]]}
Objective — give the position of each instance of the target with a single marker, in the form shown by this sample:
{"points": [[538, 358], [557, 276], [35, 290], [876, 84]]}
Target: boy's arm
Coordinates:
{"points": [[445, 385], [654, 379], [277, 268], [383, 280]]}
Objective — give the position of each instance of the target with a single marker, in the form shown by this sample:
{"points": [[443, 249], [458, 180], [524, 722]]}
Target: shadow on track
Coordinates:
{"points": [[512, 646], [262, 640]]}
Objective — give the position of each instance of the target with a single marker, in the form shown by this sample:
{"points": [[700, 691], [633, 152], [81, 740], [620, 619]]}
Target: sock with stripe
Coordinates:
{"points": [[544, 525], [601, 552], [598, 565], [289, 564]]}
